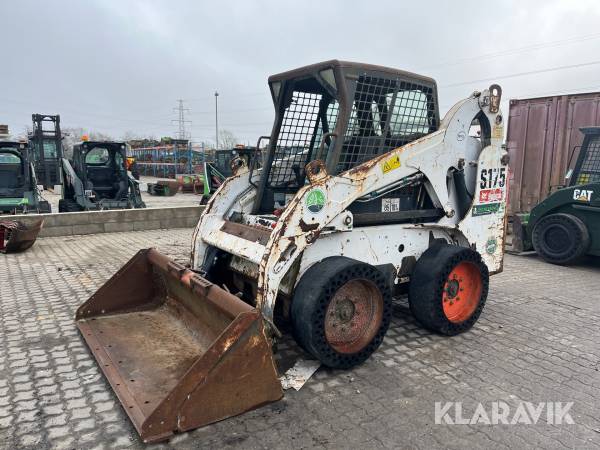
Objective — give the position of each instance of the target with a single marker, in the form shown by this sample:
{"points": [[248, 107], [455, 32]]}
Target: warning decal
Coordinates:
{"points": [[393, 162], [490, 195]]}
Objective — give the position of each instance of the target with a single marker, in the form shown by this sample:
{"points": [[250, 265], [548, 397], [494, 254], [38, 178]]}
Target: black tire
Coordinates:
{"points": [[44, 207], [435, 289], [316, 292], [67, 205], [560, 238]]}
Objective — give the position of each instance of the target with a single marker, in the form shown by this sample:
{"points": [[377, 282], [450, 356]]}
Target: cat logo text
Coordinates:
{"points": [[582, 195]]}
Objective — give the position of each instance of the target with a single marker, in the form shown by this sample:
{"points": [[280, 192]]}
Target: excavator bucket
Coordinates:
{"points": [[178, 351], [16, 237]]}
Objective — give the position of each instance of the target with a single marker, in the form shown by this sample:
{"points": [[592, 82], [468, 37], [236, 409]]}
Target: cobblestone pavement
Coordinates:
{"points": [[538, 340]]}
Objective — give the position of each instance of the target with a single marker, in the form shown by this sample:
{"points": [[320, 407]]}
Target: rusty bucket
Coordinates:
{"points": [[178, 351], [16, 237]]}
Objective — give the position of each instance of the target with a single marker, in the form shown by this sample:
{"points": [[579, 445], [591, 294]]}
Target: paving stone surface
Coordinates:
{"points": [[538, 340]]}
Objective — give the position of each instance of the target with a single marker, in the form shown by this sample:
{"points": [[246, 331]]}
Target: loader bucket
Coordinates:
{"points": [[16, 237], [178, 351]]}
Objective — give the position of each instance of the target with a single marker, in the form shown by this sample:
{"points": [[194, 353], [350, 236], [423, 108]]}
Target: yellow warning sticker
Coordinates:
{"points": [[393, 162], [498, 132]]}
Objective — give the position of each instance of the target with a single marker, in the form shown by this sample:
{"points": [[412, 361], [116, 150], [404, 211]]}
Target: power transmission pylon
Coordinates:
{"points": [[182, 134]]}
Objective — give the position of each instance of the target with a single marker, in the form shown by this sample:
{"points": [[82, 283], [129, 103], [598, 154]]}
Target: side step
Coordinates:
{"points": [[178, 351]]}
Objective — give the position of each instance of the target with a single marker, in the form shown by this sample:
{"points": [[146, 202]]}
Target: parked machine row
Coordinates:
{"points": [[96, 177]]}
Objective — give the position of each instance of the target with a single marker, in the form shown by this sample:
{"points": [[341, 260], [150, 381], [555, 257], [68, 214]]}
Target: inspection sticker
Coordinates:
{"points": [[390, 205], [392, 163]]}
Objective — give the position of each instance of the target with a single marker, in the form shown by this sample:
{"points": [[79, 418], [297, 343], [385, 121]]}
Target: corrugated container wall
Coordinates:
{"points": [[543, 134]]}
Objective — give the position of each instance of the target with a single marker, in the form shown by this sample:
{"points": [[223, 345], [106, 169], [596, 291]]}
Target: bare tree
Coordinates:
{"points": [[130, 136], [227, 139], [73, 135]]}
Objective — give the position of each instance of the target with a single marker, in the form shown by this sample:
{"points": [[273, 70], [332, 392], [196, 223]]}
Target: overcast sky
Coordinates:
{"points": [[120, 66]]}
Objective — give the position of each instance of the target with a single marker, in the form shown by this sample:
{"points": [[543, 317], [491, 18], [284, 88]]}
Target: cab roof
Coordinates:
{"points": [[102, 143], [355, 68]]}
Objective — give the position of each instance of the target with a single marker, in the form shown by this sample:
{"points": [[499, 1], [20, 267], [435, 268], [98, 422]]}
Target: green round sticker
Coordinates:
{"points": [[491, 245], [315, 200]]}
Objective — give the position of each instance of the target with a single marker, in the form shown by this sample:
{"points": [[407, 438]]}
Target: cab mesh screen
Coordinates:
{"points": [[590, 167], [386, 114], [305, 121]]}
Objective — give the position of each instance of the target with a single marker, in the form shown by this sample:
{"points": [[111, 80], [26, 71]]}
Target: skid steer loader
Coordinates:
{"points": [[97, 178], [365, 193], [19, 192], [566, 225]]}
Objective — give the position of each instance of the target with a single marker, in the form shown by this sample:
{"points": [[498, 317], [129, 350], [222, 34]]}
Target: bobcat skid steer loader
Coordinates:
{"points": [[364, 193]]}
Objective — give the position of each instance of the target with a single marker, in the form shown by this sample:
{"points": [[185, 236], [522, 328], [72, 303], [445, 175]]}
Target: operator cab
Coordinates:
{"points": [[12, 166], [343, 114], [14, 169], [587, 163], [102, 168], [223, 158]]}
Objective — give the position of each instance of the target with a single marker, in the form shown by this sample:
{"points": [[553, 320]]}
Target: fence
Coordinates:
{"points": [[168, 160]]}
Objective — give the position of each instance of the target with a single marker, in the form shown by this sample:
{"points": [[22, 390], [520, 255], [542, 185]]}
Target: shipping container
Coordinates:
{"points": [[543, 138]]}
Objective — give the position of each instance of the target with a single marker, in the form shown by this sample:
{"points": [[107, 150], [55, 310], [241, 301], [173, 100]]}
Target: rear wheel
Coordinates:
{"points": [[560, 238], [341, 311], [67, 205], [448, 289]]}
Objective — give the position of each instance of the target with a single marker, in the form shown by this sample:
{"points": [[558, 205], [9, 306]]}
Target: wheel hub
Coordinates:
{"points": [[557, 239], [353, 316], [452, 288], [344, 310], [462, 292]]}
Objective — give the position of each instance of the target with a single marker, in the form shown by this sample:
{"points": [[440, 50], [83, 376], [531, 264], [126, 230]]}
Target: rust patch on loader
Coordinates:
{"points": [[17, 237], [248, 232], [305, 227], [178, 351]]}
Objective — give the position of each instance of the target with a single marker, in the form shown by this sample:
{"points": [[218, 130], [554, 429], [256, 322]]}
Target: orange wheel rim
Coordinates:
{"points": [[462, 292]]}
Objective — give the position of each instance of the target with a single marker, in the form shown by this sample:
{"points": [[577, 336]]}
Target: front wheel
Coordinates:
{"points": [[448, 289], [341, 311], [560, 238]]}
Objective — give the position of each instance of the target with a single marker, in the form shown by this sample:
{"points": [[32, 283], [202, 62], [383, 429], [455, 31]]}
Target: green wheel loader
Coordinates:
{"points": [[19, 193], [566, 225]]}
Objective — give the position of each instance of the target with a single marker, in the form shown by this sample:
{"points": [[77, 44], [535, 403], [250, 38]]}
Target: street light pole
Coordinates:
{"points": [[217, 119]]}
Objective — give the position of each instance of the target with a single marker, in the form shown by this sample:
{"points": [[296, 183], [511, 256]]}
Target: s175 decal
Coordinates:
{"points": [[492, 178]]}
